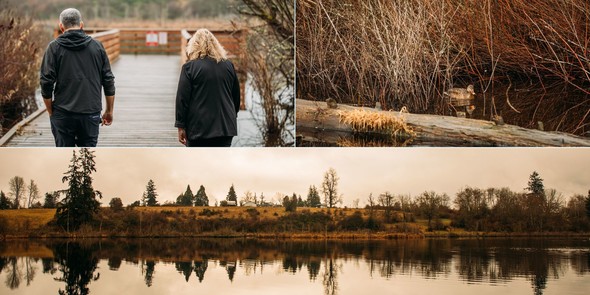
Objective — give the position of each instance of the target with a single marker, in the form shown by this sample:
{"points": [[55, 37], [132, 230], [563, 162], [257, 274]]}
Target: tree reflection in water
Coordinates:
{"points": [[14, 275], [483, 261], [200, 268], [77, 264], [330, 277], [148, 269]]}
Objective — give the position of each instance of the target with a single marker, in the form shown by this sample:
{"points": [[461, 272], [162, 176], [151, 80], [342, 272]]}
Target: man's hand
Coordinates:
{"points": [[48, 105], [182, 136], [107, 118]]}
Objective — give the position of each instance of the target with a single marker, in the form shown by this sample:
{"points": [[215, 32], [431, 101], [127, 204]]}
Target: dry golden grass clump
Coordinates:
{"points": [[21, 45], [380, 122]]}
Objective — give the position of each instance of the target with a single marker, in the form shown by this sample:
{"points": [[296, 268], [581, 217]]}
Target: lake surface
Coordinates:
{"points": [[244, 266]]}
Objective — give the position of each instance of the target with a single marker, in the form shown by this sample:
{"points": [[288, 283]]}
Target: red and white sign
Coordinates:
{"points": [[151, 38]]}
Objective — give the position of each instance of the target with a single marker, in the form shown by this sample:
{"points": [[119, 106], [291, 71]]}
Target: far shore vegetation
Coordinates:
{"points": [[473, 212]]}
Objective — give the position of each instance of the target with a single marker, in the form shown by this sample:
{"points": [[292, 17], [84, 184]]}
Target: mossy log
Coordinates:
{"points": [[318, 125]]}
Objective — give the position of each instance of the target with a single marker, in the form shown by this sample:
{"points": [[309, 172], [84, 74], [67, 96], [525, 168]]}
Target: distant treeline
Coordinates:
{"points": [[129, 9]]}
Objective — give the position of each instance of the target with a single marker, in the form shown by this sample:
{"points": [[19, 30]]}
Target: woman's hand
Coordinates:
{"points": [[182, 136]]}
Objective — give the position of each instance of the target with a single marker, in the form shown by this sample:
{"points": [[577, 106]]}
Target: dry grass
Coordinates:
{"points": [[20, 50], [367, 121], [386, 127], [27, 219], [269, 213]]}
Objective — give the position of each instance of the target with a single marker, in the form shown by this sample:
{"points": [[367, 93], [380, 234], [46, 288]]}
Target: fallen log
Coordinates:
{"points": [[318, 125]]}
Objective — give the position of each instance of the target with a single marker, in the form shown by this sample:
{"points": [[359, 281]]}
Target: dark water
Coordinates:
{"points": [[558, 106], [224, 266]]}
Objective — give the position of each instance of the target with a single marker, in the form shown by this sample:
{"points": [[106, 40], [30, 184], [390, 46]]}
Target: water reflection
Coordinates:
{"points": [[77, 265], [331, 265]]}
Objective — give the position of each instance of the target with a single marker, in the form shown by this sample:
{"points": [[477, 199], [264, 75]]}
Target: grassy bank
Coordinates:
{"points": [[232, 222]]}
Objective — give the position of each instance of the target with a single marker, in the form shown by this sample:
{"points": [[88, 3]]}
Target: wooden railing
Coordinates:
{"points": [[133, 41], [233, 41], [111, 41]]}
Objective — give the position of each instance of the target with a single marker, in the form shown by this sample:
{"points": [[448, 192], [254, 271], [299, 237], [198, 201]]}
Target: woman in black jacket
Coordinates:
{"points": [[208, 95]]}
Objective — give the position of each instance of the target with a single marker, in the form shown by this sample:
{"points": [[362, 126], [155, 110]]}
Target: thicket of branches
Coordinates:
{"points": [[20, 46], [406, 53], [271, 53]]}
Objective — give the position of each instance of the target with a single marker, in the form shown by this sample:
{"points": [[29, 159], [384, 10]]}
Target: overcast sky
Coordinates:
{"points": [[124, 172]]}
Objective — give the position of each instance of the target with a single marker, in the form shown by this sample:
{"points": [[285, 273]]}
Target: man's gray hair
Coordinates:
{"points": [[70, 18]]}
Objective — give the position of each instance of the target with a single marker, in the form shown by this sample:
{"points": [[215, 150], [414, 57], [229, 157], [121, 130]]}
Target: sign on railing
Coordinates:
{"points": [[151, 38]]}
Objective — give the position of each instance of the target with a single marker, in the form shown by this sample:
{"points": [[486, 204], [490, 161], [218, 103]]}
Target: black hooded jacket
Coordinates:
{"points": [[75, 67], [208, 99]]}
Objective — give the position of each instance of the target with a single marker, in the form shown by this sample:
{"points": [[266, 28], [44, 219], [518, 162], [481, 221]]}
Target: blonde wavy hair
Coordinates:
{"points": [[203, 44]]}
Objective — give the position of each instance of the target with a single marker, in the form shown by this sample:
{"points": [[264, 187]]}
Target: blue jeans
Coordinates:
{"points": [[73, 129]]}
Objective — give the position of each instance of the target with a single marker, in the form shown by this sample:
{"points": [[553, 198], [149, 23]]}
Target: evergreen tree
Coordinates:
{"points": [[313, 197], [536, 186], [150, 194], [186, 199], [80, 203], [300, 202], [588, 205], [201, 198], [231, 195], [50, 200], [290, 204], [4, 201], [534, 206]]}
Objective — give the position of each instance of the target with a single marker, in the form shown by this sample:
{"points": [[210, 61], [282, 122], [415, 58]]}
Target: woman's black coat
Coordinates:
{"points": [[208, 99]]}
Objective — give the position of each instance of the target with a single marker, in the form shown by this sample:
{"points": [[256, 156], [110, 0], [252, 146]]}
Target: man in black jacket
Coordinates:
{"points": [[75, 67]]}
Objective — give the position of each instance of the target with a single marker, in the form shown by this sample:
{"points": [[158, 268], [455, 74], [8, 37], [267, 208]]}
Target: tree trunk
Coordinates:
{"points": [[318, 125]]}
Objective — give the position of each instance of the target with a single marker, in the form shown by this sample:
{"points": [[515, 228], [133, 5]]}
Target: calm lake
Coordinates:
{"points": [[245, 266]]}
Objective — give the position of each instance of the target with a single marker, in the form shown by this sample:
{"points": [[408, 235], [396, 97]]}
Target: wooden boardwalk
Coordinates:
{"points": [[144, 108]]}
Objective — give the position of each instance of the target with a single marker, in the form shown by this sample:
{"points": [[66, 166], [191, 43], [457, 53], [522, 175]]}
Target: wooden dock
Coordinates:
{"points": [[144, 108]]}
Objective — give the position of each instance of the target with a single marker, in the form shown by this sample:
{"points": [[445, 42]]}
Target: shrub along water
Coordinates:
{"points": [[20, 48]]}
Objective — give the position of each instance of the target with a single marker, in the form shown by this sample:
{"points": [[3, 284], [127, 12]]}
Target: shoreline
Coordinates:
{"points": [[364, 236]]}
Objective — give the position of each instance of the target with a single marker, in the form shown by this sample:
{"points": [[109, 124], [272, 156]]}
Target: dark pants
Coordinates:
{"points": [[222, 141], [72, 129]]}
